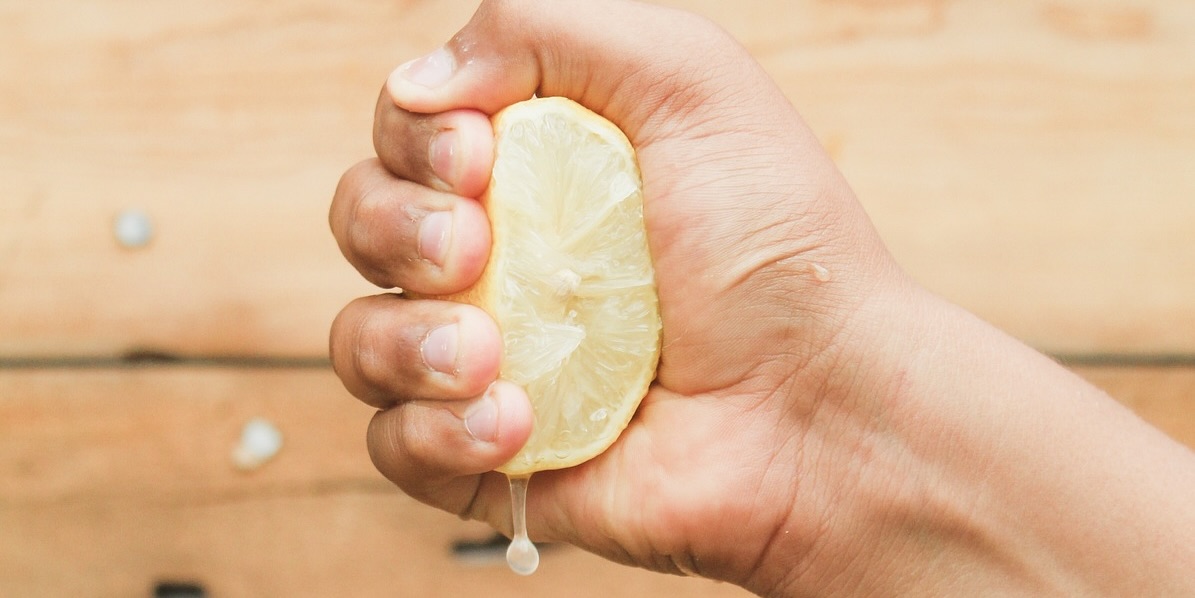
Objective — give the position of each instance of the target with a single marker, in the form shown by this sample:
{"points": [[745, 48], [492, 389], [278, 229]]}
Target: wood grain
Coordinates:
{"points": [[114, 480], [338, 544], [164, 435], [228, 124], [1027, 159]]}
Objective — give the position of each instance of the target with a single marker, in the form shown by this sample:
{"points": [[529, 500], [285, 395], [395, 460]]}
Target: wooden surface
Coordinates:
{"points": [[113, 480], [1027, 159]]}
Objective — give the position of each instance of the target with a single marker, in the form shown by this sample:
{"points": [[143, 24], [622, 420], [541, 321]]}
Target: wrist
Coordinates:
{"points": [[943, 457], [883, 497], [860, 482]]}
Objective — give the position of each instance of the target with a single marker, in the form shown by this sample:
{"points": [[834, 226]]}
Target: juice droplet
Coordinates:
{"points": [[522, 556], [820, 273]]}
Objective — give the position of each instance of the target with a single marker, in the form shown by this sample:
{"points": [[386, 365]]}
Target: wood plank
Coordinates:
{"points": [[114, 480], [340, 544], [1026, 159], [228, 124], [164, 434]]}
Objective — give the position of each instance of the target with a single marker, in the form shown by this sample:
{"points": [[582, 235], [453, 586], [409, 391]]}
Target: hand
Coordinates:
{"points": [[743, 209], [807, 429]]}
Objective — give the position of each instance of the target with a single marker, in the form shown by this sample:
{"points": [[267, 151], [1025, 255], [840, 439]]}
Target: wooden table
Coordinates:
{"points": [[1031, 160]]}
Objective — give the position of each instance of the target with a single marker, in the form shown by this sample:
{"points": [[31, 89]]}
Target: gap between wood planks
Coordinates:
{"points": [[150, 359], [157, 359]]}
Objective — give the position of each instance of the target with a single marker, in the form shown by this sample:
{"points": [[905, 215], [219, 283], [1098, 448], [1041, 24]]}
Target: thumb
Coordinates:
{"points": [[625, 60]]}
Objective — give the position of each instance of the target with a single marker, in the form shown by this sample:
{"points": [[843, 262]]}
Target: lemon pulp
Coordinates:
{"points": [[570, 280]]}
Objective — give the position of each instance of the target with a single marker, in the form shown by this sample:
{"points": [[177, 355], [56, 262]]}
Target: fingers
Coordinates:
{"points": [[400, 234], [386, 349], [625, 60], [435, 450], [452, 151]]}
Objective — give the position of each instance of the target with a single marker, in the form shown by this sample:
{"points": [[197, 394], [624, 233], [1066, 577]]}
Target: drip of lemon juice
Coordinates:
{"points": [[522, 556]]}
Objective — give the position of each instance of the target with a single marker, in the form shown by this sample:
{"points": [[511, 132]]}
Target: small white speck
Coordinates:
{"points": [[133, 229], [260, 441]]}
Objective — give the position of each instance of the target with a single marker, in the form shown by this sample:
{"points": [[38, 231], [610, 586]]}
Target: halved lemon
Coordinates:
{"points": [[569, 280]]}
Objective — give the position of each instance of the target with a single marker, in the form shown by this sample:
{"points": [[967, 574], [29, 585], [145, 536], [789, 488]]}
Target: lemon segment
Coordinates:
{"points": [[569, 280]]}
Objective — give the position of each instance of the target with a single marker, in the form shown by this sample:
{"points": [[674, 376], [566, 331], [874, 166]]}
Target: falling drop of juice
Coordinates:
{"points": [[522, 556]]}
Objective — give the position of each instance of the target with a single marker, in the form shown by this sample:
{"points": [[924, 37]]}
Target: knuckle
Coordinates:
{"points": [[344, 350], [402, 140], [399, 445], [355, 179], [418, 442], [336, 344], [361, 200], [346, 194], [363, 350], [384, 442], [365, 210], [373, 248], [369, 360]]}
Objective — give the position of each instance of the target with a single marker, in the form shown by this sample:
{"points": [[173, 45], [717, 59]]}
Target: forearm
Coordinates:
{"points": [[1080, 494], [1001, 473]]}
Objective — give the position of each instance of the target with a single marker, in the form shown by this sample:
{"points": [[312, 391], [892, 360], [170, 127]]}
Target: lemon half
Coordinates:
{"points": [[569, 279]]}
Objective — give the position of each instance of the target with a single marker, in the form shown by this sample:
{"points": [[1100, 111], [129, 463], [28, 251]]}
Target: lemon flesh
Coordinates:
{"points": [[569, 280]]}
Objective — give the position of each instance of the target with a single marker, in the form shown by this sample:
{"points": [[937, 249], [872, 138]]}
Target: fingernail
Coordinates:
{"points": [[430, 71], [481, 420], [435, 232], [439, 349], [442, 155]]}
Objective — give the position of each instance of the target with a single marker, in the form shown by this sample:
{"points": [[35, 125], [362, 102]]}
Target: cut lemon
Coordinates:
{"points": [[569, 280]]}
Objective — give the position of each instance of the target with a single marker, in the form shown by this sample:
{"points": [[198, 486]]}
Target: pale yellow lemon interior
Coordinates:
{"points": [[570, 280]]}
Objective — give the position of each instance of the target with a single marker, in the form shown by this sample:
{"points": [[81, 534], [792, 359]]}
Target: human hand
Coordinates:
{"points": [[788, 436], [746, 216]]}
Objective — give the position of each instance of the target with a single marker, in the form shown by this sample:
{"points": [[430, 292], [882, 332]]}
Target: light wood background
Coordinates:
{"points": [[1029, 159]]}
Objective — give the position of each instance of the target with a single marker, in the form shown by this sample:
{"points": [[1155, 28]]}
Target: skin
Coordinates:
{"points": [[804, 437]]}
